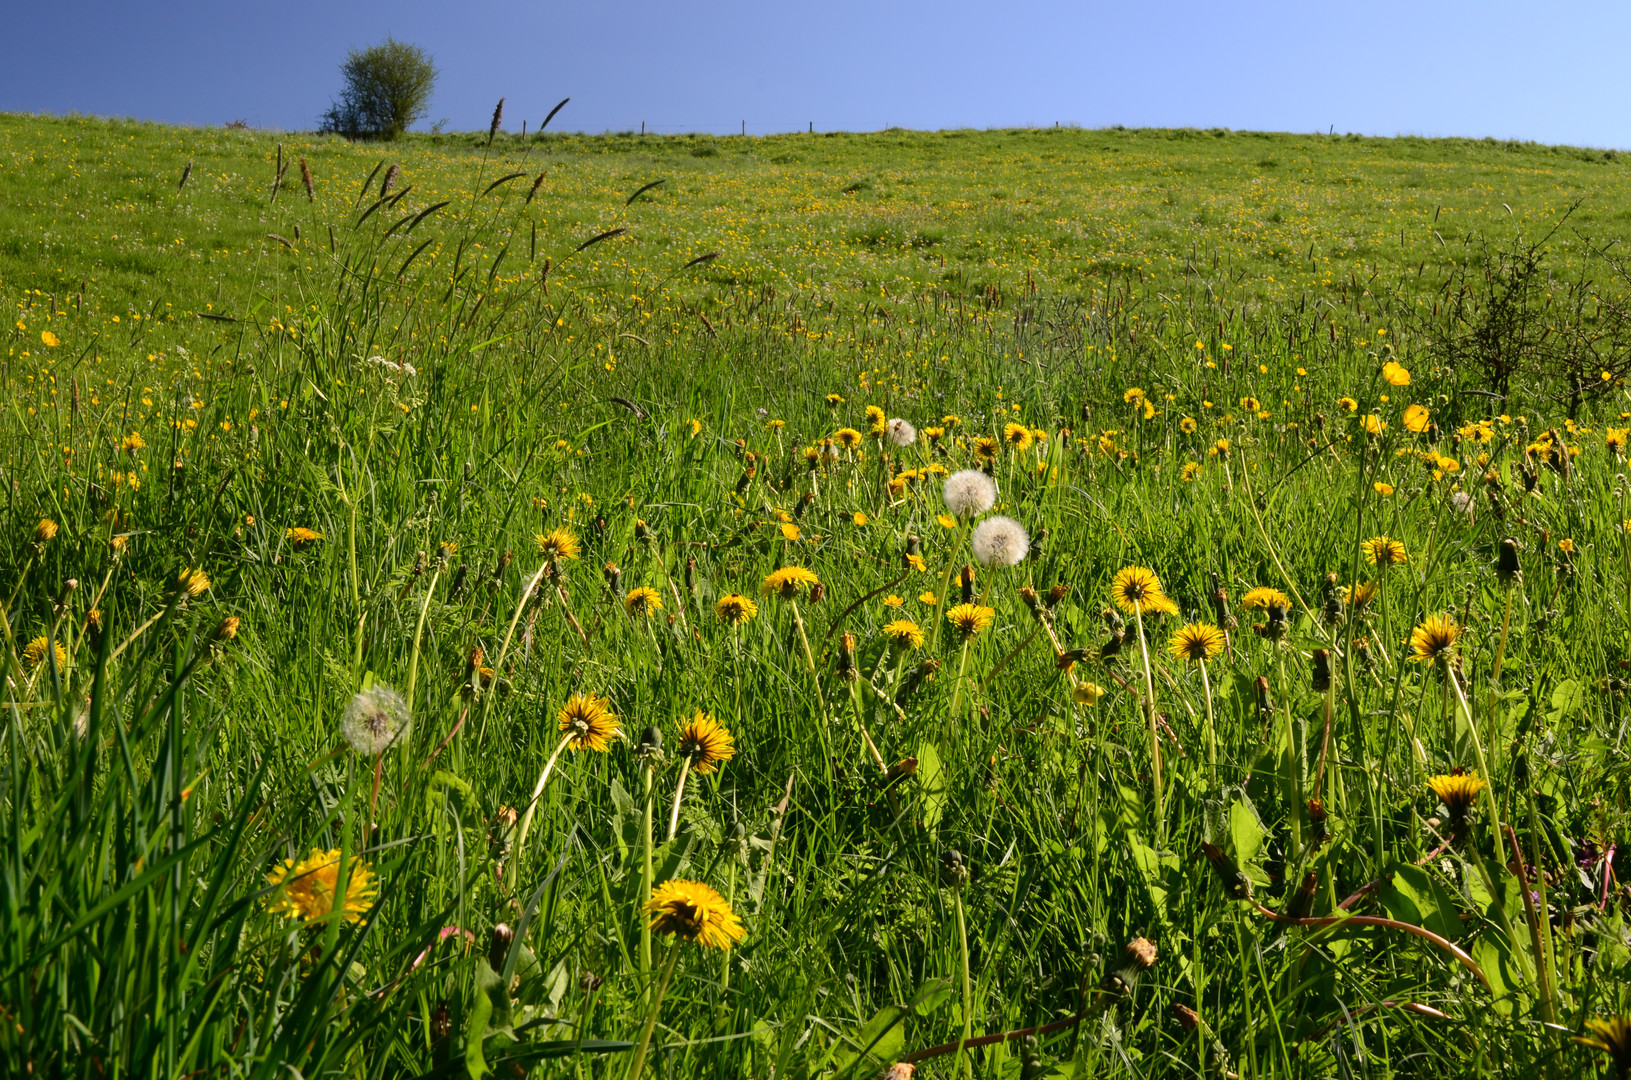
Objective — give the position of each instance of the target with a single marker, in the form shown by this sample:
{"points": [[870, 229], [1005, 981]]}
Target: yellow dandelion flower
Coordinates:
{"points": [[1384, 551], [557, 545], [970, 619], [695, 912], [788, 582], [1458, 791], [1196, 642], [1361, 595], [1191, 470], [50, 340], [1347, 404], [643, 601], [904, 634], [1086, 693], [705, 742], [1017, 436], [300, 536], [860, 518], [986, 447], [790, 531], [734, 609], [309, 889], [1136, 588], [35, 651], [589, 722], [1263, 597], [192, 581], [1433, 639], [1187, 425], [1382, 489], [848, 438], [1611, 1036], [1615, 439]]}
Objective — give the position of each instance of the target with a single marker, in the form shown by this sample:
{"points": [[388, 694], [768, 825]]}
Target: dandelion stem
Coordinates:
{"points": [[860, 722], [637, 1063], [1211, 734], [1155, 739], [1483, 768], [961, 1062], [809, 655], [418, 637], [532, 803], [648, 772], [679, 796], [503, 651], [957, 687]]}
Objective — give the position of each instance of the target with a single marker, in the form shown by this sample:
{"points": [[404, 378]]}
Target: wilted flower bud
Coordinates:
{"points": [[228, 628], [818, 593], [953, 870], [846, 656], [651, 743], [45, 531], [967, 582], [498, 947], [1141, 953], [1032, 602], [614, 578], [1322, 670], [1056, 595], [1507, 568]]}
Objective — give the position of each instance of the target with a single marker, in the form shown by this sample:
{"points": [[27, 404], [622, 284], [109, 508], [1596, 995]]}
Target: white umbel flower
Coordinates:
{"points": [[901, 432], [1000, 541], [969, 492], [375, 720]]}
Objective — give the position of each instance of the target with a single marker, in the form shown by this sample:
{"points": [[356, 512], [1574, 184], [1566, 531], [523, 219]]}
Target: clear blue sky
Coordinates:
{"points": [[1552, 72]]}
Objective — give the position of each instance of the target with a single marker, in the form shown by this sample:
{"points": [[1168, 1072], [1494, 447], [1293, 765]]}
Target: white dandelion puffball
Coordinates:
{"points": [[901, 432], [1000, 541], [375, 719], [969, 492]]}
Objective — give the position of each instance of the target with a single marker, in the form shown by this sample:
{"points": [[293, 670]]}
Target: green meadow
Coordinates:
{"points": [[1021, 604]]}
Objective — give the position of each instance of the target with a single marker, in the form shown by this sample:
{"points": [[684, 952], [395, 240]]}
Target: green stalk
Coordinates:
{"points": [[1155, 742], [963, 1063], [1483, 768], [637, 1063], [679, 797], [1211, 733], [648, 772], [532, 805], [418, 636]]}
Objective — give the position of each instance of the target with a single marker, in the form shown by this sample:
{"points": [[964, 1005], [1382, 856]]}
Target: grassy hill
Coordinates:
{"points": [[1151, 603]]}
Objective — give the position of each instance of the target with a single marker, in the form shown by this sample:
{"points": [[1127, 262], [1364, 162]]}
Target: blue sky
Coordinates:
{"points": [[1548, 72]]}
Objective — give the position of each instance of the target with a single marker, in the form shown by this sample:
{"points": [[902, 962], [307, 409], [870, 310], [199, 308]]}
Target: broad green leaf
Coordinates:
{"points": [[931, 780]]}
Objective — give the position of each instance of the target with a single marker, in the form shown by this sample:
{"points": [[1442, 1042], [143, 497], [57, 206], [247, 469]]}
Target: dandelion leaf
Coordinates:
{"points": [[1415, 896]]}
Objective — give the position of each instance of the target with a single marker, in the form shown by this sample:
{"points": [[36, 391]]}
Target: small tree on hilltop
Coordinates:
{"points": [[387, 88]]}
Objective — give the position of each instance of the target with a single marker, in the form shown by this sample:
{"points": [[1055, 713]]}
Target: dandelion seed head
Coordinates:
{"points": [[375, 719], [1000, 541], [901, 432], [969, 492]]}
